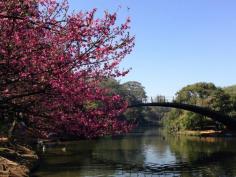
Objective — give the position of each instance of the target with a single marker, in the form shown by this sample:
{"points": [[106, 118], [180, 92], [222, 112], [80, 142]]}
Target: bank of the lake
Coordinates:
{"points": [[16, 160], [207, 133]]}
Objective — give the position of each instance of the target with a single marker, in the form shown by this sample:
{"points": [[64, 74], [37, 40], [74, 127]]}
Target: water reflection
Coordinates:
{"points": [[142, 153]]}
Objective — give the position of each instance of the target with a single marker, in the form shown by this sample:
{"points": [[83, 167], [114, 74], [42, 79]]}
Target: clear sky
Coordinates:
{"points": [[178, 42]]}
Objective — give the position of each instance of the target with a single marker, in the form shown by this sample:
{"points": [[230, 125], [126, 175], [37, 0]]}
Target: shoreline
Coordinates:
{"points": [[17, 160], [208, 133]]}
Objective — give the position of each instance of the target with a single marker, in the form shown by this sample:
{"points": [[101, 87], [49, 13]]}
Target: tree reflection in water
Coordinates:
{"points": [[143, 153]]}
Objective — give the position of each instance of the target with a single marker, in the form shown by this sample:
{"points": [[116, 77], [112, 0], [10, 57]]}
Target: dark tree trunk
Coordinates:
{"points": [[11, 130]]}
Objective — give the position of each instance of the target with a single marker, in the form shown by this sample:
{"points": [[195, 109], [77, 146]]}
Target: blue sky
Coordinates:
{"points": [[178, 42]]}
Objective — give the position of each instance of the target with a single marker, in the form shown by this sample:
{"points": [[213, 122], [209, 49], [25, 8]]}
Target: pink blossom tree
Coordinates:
{"points": [[52, 65]]}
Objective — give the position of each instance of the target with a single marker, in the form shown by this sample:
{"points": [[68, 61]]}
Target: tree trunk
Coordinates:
{"points": [[11, 130]]}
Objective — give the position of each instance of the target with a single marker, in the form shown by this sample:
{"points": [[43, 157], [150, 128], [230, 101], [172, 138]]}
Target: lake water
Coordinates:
{"points": [[148, 153]]}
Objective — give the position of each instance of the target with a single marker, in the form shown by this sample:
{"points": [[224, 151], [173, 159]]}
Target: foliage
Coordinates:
{"points": [[131, 92], [202, 94], [52, 64], [231, 90], [135, 92]]}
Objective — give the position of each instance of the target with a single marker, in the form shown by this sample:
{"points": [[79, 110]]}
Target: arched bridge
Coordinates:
{"points": [[227, 120]]}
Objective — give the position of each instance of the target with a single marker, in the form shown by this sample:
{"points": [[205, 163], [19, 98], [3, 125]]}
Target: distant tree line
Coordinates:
{"points": [[201, 94], [133, 92]]}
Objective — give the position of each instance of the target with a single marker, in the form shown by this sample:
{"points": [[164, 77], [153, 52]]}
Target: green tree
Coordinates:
{"points": [[135, 92], [231, 90], [201, 94]]}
